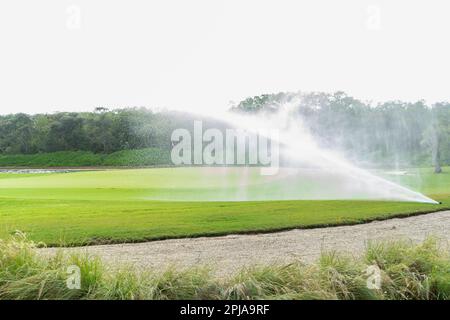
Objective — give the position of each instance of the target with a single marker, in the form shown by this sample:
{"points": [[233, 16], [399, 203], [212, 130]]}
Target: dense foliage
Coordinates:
{"points": [[102, 131], [391, 133], [388, 133]]}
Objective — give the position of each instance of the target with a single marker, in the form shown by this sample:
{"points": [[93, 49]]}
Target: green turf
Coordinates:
{"points": [[119, 205]]}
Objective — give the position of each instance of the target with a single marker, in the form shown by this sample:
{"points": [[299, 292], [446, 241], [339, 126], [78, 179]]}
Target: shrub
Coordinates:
{"points": [[141, 157]]}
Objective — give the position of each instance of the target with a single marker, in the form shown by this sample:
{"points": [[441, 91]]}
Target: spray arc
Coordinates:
{"points": [[316, 173]]}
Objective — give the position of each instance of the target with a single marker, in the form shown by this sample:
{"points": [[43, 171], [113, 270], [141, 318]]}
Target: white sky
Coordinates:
{"points": [[201, 54]]}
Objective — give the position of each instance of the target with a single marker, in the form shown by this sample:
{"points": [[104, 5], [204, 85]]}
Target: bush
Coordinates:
{"points": [[141, 157]]}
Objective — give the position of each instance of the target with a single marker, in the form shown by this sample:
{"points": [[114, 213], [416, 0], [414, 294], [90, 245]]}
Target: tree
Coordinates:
{"points": [[438, 134]]}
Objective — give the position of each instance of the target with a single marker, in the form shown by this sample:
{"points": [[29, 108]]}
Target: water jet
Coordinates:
{"points": [[309, 172]]}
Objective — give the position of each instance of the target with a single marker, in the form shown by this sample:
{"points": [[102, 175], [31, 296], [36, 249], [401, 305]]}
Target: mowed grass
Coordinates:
{"points": [[119, 206]]}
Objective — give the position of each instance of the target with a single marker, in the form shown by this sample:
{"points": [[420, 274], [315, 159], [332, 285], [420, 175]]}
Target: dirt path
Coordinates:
{"points": [[230, 252]]}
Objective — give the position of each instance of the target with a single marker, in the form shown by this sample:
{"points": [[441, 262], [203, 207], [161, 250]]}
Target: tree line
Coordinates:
{"points": [[390, 133], [387, 133], [101, 131]]}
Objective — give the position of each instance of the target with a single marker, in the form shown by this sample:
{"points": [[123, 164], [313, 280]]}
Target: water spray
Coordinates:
{"points": [[299, 146]]}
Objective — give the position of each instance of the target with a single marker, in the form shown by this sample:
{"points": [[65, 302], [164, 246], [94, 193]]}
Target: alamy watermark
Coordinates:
{"points": [[73, 20], [373, 21], [73, 281], [231, 147], [373, 274]]}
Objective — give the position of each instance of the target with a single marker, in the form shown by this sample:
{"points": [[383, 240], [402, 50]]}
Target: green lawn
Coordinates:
{"points": [[121, 205]]}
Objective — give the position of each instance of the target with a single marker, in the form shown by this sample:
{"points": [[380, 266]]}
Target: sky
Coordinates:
{"points": [[202, 55]]}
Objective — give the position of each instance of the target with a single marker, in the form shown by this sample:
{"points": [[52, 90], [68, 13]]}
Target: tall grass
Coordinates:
{"points": [[407, 271]]}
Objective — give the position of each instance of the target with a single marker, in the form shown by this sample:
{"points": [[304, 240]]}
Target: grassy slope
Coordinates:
{"points": [[141, 157], [99, 207]]}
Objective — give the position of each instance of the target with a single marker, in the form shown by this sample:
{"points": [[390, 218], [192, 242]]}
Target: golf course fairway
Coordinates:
{"points": [[113, 206]]}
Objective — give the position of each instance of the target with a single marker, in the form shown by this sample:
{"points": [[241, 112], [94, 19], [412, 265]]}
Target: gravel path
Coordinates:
{"points": [[227, 253]]}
